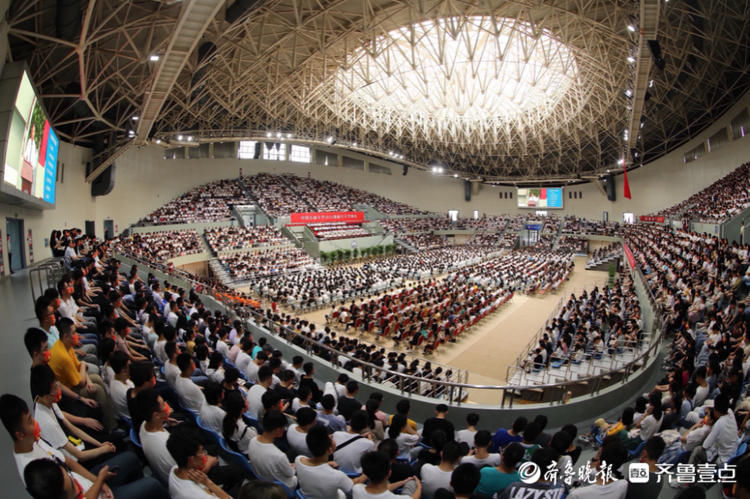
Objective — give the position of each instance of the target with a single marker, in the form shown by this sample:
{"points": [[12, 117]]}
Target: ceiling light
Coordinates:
{"points": [[628, 93], [278, 135], [631, 59], [189, 138], [354, 144], [154, 58], [179, 137], [158, 141], [650, 83], [131, 133], [455, 175], [268, 134], [330, 139], [134, 118], [631, 28], [620, 161], [289, 136]]}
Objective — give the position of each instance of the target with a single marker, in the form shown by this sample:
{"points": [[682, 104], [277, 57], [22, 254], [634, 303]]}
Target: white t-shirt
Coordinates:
{"points": [[348, 458], [252, 371], [321, 482], [612, 490], [42, 450], [160, 353], [186, 489], [243, 360], [270, 463], [171, 373], [243, 435], [255, 399], [213, 417], [490, 460], [191, 397], [297, 440], [222, 348], [359, 492], [155, 449], [467, 436], [118, 391], [434, 478], [52, 432]]}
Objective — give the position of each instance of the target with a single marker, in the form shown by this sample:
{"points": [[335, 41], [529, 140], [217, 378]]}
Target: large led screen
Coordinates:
{"points": [[540, 197]]}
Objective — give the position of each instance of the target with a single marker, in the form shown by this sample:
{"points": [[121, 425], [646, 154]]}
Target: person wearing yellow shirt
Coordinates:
{"points": [[73, 373]]}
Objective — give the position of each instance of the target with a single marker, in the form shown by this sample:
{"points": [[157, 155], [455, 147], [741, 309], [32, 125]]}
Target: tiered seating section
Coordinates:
{"points": [[161, 246], [331, 231], [575, 225], [237, 238], [274, 261], [605, 254]]}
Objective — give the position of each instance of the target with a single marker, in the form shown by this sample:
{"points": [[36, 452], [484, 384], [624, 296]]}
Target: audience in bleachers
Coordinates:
{"points": [[575, 225], [160, 246], [263, 263], [206, 203], [238, 238]]}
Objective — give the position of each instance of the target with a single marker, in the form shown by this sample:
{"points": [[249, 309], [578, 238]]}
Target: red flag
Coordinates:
{"points": [[626, 185]]}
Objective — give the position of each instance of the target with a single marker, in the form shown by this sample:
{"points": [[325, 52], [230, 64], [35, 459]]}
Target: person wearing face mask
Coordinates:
{"points": [[75, 375], [187, 480]]}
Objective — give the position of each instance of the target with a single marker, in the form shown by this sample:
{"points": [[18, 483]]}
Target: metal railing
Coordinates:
{"points": [[45, 275]]}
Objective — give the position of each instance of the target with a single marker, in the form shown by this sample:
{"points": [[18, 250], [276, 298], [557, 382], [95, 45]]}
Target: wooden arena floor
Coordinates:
{"points": [[486, 350]]}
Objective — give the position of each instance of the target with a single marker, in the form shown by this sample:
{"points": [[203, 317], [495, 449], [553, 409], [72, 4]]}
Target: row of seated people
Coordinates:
{"points": [[491, 239], [432, 262], [337, 230], [207, 203], [596, 323], [160, 246], [573, 244], [237, 238], [424, 224], [575, 225], [719, 201], [267, 262], [423, 241], [605, 254], [274, 196]]}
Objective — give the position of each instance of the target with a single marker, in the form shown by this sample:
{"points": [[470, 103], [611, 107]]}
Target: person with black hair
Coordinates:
{"points": [[530, 434], [327, 417], [244, 355], [376, 466], [120, 384], [232, 382], [307, 380], [348, 403], [171, 369], [285, 388], [493, 480], [264, 377], [543, 438], [649, 455], [480, 456], [28, 446], [191, 396], [438, 422], [651, 420], [297, 432], [317, 478], [544, 488], [215, 369], [399, 432], [46, 479], [352, 443], [211, 413], [269, 462], [574, 451], [721, 442], [467, 434], [464, 480], [251, 373], [400, 470], [503, 437], [187, 479], [233, 427], [612, 454], [436, 477]]}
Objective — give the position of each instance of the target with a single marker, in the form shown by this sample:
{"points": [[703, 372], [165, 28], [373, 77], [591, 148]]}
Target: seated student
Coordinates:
{"points": [[431, 454], [543, 438], [303, 399], [494, 480], [467, 434], [464, 480], [191, 396], [438, 422], [297, 432], [46, 392], [285, 387], [268, 461], [376, 466], [399, 432], [252, 367], [333, 422], [79, 410], [152, 434], [573, 450], [650, 455], [530, 434], [237, 434], [171, 370], [348, 403], [307, 380], [187, 479], [503, 437], [481, 457], [75, 376], [135, 350], [403, 407], [232, 382], [244, 355], [255, 394], [215, 369], [352, 443], [612, 452], [120, 384], [317, 479], [542, 488], [211, 413], [439, 477]]}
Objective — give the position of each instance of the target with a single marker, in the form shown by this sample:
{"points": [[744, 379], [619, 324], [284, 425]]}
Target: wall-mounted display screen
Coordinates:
{"points": [[540, 197], [31, 146]]}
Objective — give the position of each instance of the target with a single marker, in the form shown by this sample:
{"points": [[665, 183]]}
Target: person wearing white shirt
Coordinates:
{"points": [[255, 394], [353, 443], [120, 383], [721, 442], [376, 466], [212, 416], [439, 477], [467, 435], [152, 435], [481, 456], [171, 369], [187, 479], [615, 455], [252, 367], [233, 427], [267, 460], [191, 396], [243, 357], [317, 479], [297, 432], [221, 344]]}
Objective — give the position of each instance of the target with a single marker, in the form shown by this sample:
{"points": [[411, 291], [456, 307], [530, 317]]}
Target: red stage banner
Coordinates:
{"points": [[629, 256], [652, 218], [320, 217]]}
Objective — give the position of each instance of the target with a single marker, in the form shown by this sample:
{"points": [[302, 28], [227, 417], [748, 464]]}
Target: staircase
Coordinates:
{"points": [[219, 272], [408, 247], [299, 196]]}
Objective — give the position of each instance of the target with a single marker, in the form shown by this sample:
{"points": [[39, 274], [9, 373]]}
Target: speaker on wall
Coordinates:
{"points": [[104, 183], [608, 183], [467, 190]]}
